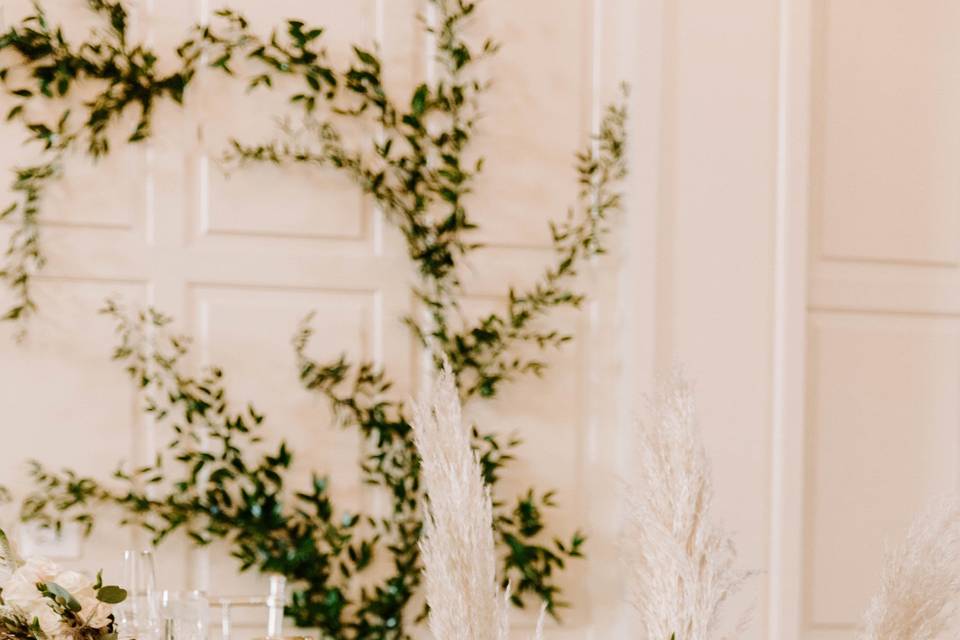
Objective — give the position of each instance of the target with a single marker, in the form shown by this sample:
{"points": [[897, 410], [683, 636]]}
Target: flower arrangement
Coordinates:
{"points": [[42, 601]]}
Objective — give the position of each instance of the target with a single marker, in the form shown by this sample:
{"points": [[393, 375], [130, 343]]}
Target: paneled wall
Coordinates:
{"points": [[883, 371], [791, 238], [806, 274], [240, 259], [715, 255]]}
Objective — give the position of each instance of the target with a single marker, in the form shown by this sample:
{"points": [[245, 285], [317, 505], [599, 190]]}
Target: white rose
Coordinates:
{"points": [[35, 570], [5, 573], [50, 621], [20, 591], [93, 612]]}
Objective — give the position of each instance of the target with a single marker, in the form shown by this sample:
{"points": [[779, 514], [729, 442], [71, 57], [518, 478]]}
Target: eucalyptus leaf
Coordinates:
{"points": [[61, 596], [111, 594]]}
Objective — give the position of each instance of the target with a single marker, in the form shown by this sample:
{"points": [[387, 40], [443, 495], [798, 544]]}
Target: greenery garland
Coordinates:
{"points": [[209, 481]]}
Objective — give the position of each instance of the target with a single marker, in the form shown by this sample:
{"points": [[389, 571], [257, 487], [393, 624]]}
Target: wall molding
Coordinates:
{"points": [[794, 111]]}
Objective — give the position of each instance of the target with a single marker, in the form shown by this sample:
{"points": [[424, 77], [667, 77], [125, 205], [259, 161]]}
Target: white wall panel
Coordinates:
{"points": [[95, 411], [537, 112], [264, 371], [314, 202], [882, 374], [887, 139], [242, 206], [716, 255], [881, 441], [104, 194]]}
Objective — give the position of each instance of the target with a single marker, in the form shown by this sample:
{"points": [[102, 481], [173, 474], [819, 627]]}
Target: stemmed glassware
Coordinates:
{"points": [[152, 614], [138, 617]]}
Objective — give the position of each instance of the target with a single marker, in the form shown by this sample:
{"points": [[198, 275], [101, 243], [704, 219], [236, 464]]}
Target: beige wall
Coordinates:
{"points": [[807, 265], [883, 377], [716, 256], [827, 370]]}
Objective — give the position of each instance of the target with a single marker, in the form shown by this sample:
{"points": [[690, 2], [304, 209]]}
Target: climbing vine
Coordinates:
{"points": [[355, 574], [46, 68]]}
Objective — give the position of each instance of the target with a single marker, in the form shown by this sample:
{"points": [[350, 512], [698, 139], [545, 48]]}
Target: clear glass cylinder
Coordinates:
{"points": [[276, 602], [139, 616]]}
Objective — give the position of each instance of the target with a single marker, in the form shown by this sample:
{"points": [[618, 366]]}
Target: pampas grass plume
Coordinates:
{"points": [[684, 565], [459, 554], [920, 585]]}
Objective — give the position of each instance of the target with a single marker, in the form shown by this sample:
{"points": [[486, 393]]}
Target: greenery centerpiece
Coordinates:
{"points": [[355, 574]]}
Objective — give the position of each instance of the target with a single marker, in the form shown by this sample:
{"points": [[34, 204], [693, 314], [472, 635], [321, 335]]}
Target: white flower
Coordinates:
{"points": [[20, 591], [93, 612]]}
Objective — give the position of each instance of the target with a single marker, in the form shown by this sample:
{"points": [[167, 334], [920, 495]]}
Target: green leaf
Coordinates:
{"points": [[61, 596], [366, 57], [8, 557], [36, 630], [418, 103], [111, 594]]}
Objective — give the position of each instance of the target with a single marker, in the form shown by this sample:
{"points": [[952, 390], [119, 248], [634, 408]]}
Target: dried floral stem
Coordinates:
{"points": [[459, 554], [458, 545], [921, 580], [684, 565]]}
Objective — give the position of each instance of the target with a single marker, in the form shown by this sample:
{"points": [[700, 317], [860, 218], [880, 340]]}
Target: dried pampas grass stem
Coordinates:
{"points": [[459, 556], [921, 580], [684, 565]]}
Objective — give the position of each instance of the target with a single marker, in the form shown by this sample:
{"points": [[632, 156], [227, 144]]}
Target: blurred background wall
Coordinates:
{"points": [[791, 238]]}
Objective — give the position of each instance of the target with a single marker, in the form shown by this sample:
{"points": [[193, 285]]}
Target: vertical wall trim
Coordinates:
{"points": [[380, 39], [789, 331], [145, 429], [663, 300], [592, 453], [626, 46]]}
